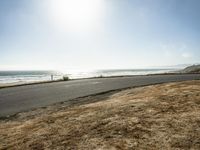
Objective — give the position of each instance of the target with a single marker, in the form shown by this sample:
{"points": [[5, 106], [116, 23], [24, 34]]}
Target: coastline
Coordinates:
{"points": [[8, 85], [24, 98]]}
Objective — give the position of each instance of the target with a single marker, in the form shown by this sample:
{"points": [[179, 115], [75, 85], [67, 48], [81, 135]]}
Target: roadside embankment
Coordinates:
{"points": [[164, 116]]}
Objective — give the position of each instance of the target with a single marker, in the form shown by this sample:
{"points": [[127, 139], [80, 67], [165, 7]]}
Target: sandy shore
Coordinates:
{"points": [[164, 116]]}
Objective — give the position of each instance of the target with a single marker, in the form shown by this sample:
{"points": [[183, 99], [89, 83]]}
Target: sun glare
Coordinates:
{"points": [[76, 15]]}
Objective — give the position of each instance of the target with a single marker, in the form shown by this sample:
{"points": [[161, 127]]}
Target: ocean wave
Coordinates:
{"points": [[35, 76]]}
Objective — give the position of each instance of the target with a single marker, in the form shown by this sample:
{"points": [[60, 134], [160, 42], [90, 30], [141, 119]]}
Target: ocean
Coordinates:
{"points": [[9, 77], [17, 77]]}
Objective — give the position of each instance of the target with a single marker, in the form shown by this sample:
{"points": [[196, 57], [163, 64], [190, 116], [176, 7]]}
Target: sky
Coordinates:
{"points": [[98, 34]]}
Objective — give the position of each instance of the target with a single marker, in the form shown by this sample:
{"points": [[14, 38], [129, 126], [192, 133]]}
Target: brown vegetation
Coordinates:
{"points": [[165, 116]]}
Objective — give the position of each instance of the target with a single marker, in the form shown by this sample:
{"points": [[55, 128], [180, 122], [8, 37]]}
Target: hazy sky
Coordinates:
{"points": [[96, 34]]}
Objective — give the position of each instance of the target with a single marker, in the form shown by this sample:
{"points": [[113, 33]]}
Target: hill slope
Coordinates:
{"points": [[164, 116], [191, 69]]}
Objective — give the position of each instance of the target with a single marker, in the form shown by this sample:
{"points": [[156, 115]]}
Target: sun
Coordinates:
{"points": [[76, 15]]}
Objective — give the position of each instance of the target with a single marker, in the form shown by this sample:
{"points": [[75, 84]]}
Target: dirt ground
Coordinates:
{"points": [[165, 116]]}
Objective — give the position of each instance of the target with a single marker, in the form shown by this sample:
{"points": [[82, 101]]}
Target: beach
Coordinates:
{"points": [[163, 116]]}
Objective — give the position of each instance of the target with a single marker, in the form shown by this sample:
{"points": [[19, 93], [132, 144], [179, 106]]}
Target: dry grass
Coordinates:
{"points": [[165, 116]]}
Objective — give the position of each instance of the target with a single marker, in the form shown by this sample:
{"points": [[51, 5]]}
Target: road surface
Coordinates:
{"points": [[23, 98]]}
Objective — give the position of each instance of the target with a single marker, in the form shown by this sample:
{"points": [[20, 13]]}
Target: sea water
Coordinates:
{"points": [[15, 77], [7, 77]]}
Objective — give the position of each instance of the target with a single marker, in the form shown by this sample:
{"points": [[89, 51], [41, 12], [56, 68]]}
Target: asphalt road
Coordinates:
{"points": [[23, 98]]}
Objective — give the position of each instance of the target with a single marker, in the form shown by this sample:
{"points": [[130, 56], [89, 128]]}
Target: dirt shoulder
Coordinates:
{"points": [[164, 116]]}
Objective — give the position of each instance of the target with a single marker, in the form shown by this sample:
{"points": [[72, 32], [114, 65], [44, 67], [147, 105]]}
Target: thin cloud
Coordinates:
{"points": [[186, 55]]}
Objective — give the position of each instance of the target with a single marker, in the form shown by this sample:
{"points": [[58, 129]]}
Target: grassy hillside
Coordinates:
{"points": [[164, 116], [192, 69]]}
